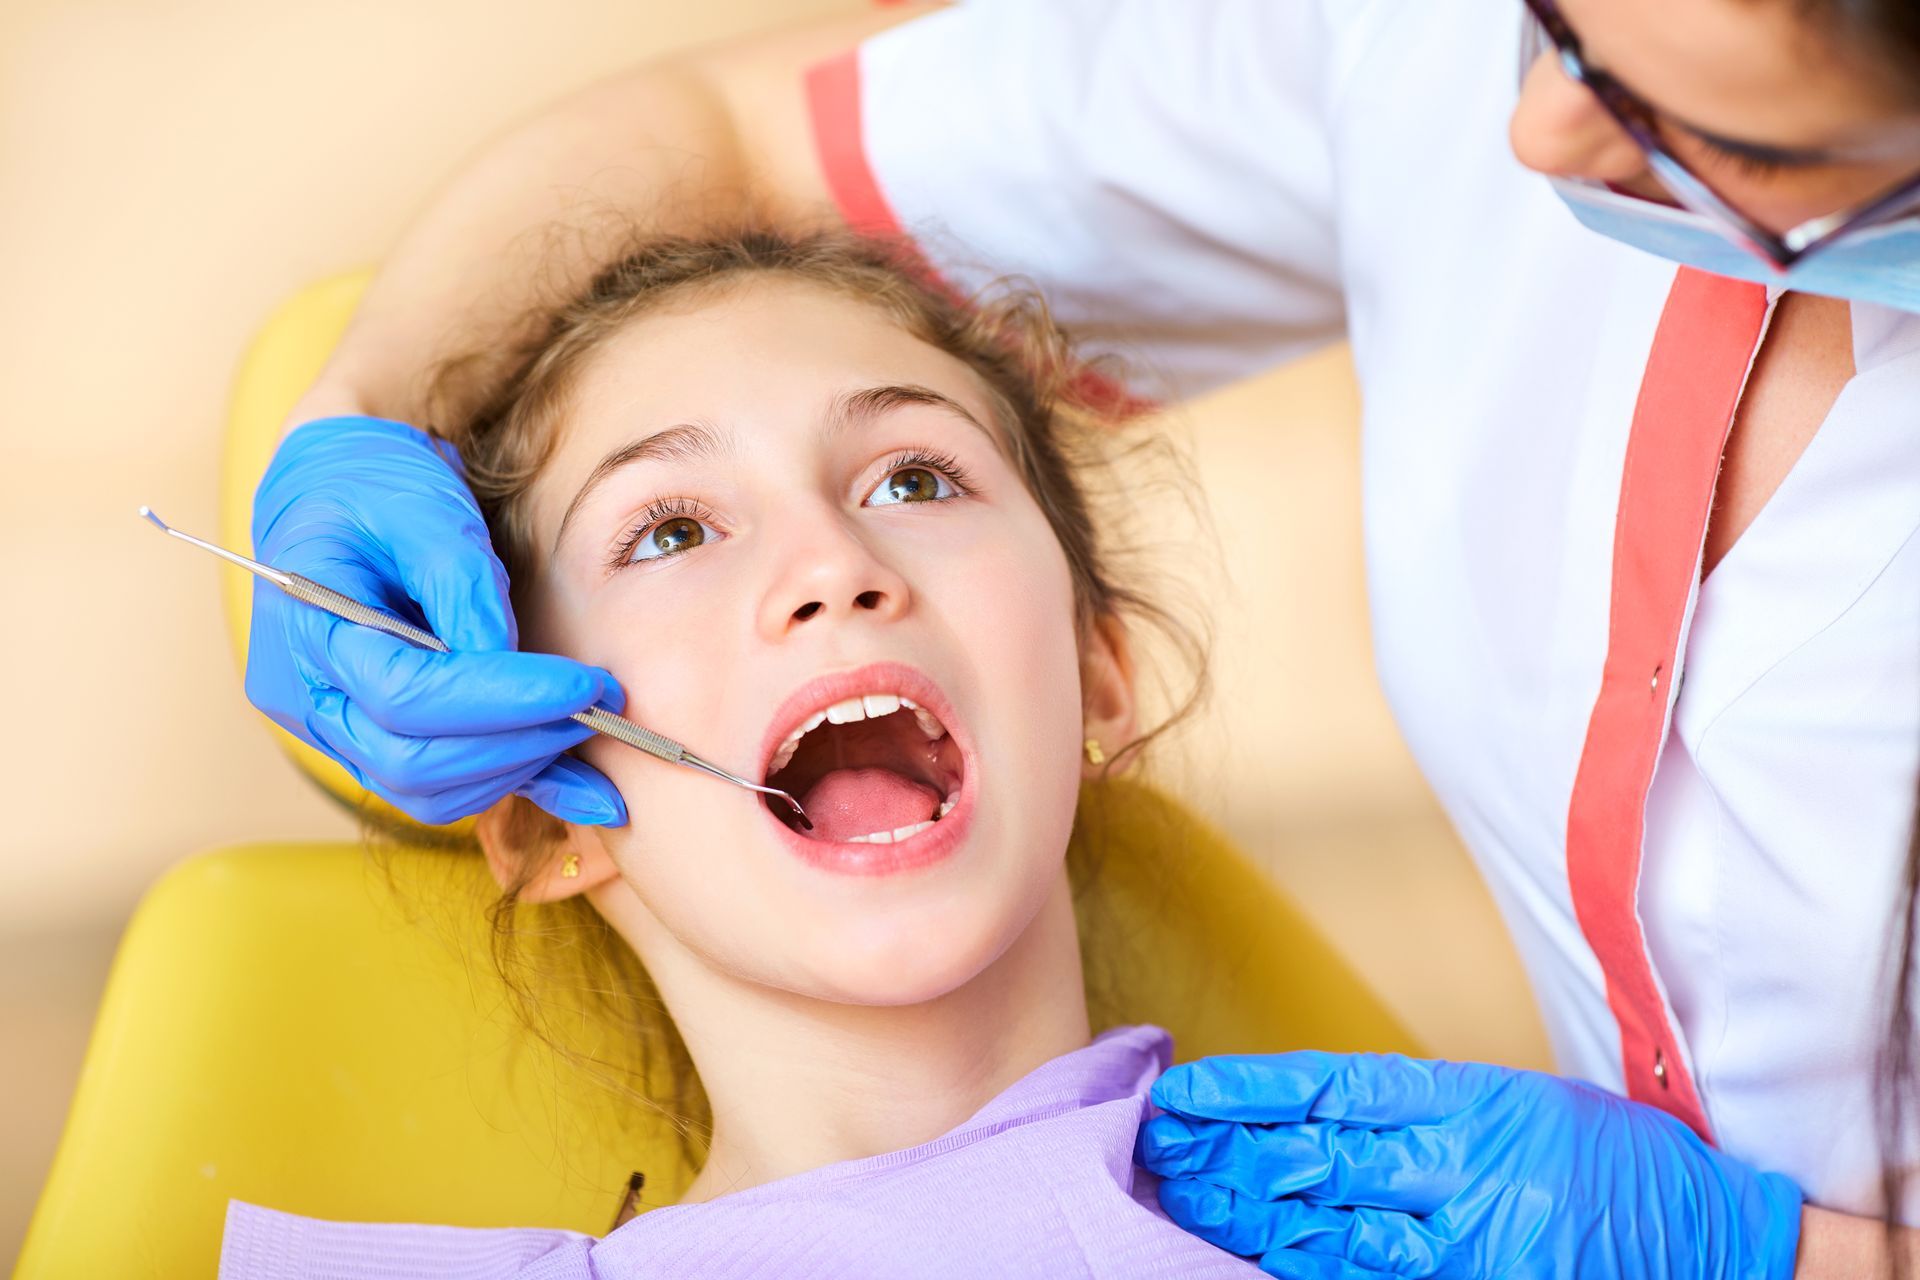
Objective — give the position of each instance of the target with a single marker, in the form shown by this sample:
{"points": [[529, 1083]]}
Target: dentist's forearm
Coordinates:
{"points": [[465, 269], [706, 137], [1843, 1246]]}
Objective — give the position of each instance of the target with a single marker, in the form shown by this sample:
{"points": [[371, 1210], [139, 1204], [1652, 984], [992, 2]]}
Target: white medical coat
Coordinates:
{"points": [[1214, 186]]}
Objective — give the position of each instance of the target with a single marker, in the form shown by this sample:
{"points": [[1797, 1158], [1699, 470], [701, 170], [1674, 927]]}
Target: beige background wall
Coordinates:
{"points": [[169, 169]]}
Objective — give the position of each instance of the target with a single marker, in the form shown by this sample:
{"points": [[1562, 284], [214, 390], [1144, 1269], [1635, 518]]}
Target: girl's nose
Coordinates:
{"points": [[1560, 128], [829, 573]]}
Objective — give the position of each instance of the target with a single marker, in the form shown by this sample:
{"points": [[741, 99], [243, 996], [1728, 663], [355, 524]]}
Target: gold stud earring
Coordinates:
{"points": [[570, 867], [1096, 755]]}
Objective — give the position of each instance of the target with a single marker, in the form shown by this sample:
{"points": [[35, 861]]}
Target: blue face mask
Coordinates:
{"points": [[1876, 264]]}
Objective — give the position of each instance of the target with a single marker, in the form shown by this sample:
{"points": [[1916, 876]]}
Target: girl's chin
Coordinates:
{"points": [[918, 960]]}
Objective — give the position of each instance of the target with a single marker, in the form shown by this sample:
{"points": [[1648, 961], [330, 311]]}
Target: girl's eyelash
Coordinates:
{"points": [[687, 509], [933, 460], [660, 509]]}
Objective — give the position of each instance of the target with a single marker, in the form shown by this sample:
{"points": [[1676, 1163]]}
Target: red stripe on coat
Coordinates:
{"points": [[1701, 353]]}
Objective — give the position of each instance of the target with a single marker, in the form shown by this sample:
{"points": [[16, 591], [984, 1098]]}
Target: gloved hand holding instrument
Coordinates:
{"points": [[1333, 1165], [381, 512], [421, 657], [394, 671]]}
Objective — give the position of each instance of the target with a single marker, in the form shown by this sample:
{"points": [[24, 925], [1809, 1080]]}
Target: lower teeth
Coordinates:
{"points": [[903, 833]]}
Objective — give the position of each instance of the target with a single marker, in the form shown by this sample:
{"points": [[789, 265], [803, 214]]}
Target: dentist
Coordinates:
{"points": [[1633, 288]]}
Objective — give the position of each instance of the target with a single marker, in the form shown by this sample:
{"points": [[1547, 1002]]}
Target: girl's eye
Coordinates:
{"points": [[668, 536], [910, 484], [914, 482]]}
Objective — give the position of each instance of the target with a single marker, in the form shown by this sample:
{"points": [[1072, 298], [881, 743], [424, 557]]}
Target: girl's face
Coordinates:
{"points": [[794, 533], [1753, 97]]}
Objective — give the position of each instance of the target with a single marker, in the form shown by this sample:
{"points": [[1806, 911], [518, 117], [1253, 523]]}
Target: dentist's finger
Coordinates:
{"points": [[416, 766], [447, 564], [1370, 1239], [454, 803], [420, 693], [574, 791], [1411, 1170], [571, 800], [1239, 1224], [1363, 1089], [1292, 1264]]}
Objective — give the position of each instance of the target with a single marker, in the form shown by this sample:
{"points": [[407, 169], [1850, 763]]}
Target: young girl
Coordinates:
{"points": [[830, 526]]}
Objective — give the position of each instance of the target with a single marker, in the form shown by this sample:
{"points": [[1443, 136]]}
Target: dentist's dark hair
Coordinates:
{"points": [[567, 973], [1886, 31]]}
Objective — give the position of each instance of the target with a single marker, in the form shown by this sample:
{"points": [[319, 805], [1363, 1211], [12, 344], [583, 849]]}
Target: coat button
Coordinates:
{"points": [[1660, 1067]]}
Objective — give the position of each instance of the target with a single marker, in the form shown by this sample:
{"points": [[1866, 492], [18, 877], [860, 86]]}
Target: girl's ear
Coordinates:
{"points": [[519, 837], [1108, 708]]}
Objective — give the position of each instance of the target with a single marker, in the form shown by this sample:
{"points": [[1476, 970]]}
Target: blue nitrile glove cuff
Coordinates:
{"points": [[1776, 1222]]}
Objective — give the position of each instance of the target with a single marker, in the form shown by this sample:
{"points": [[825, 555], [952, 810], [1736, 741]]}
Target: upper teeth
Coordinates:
{"points": [[872, 704], [846, 712]]}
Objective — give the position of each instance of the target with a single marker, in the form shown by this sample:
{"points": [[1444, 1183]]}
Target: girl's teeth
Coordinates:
{"points": [[784, 756], [894, 836], [872, 706], [946, 807], [847, 711]]}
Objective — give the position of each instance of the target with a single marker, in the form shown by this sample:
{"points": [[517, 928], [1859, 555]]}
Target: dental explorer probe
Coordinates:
{"points": [[343, 606]]}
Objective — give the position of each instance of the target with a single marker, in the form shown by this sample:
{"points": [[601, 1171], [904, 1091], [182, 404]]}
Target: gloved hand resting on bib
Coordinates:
{"points": [[1335, 1165]]}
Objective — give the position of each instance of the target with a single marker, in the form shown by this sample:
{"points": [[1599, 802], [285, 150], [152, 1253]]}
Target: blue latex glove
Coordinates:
{"points": [[1336, 1165], [382, 512]]}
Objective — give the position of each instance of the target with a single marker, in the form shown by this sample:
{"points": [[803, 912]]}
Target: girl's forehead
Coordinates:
{"points": [[765, 355], [773, 370]]}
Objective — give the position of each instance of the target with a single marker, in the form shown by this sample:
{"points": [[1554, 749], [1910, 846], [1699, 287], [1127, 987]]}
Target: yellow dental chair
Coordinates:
{"points": [[279, 1027]]}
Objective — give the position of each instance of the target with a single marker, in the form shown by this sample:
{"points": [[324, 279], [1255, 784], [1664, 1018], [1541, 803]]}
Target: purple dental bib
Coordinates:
{"points": [[1039, 1183]]}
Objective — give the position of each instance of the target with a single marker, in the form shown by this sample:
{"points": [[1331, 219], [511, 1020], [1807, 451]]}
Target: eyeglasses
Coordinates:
{"points": [[1548, 29]]}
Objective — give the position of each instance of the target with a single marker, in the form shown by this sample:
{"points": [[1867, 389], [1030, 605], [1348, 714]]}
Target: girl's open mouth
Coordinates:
{"points": [[871, 761]]}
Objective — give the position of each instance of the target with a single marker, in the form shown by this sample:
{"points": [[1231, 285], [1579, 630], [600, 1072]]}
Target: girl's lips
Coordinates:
{"points": [[923, 849]]}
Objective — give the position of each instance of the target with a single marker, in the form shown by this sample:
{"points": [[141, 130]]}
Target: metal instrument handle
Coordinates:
{"points": [[345, 606], [632, 734], [352, 610]]}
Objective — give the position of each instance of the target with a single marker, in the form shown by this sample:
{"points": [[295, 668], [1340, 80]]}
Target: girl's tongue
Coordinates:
{"points": [[866, 801]]}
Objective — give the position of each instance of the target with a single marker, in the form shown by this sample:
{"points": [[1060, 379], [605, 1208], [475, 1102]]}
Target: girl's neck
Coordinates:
{"points": [[796, 1083]]}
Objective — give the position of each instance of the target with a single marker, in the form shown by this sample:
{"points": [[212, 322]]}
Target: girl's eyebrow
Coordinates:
{"points": [[686, 442], [858, 407], [697, 441]]}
